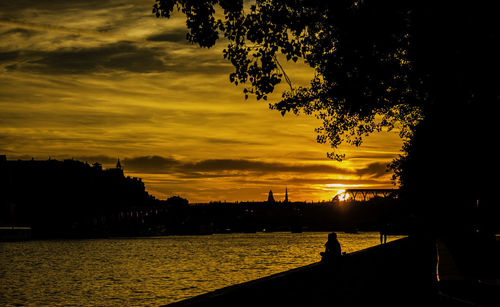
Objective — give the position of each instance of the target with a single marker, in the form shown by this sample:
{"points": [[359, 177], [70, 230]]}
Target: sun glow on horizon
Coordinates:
{"points": [[342, 195]]}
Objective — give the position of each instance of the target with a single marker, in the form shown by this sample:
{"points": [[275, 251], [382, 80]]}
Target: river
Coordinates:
{"points": [[154, 270]]}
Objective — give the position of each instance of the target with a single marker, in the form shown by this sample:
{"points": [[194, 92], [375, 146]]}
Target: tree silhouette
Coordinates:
{"points": [[429, 69]]}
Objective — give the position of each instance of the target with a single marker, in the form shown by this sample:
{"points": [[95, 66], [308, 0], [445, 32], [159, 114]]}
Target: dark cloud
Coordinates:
{"points": [[345, 182], [371, 156], [376, 169], [213, 165], [11, 8], [196, 175], [21, 31], [301, 181], [178, 35], [229, 141], [213, 168], [122, 56], [150, 164], [75, 117], [8, 56], [138, 57], [236, 167]]}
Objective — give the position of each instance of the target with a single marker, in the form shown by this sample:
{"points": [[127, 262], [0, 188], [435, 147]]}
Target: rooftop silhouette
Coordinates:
{"points": [[69, 196]]}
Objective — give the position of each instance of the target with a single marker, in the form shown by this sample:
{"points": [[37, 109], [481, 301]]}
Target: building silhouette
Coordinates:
{"points": [[286, 195], [270, 197], [67, 197]]}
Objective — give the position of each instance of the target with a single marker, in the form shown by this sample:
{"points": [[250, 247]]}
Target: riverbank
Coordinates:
{"points": [[389, 275]]}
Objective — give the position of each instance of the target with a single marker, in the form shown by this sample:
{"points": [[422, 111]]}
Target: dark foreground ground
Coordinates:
{"points": [[386, 275]]}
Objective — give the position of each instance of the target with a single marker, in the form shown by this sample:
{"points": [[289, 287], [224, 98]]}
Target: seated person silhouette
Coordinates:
{"points": [[332, 248]]}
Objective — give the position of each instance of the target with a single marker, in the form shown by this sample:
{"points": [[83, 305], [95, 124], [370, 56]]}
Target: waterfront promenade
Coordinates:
{"points": [[390, 275]]}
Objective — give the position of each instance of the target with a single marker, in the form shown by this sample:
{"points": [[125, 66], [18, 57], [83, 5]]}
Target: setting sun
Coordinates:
{"points": [[342, 195]]}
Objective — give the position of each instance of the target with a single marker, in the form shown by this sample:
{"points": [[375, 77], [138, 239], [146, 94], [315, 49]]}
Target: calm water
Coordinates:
{"points": [[151, 271]]}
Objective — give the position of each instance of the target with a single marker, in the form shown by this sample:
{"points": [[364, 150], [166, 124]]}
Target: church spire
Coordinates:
{"points": [[286, 194], [118, 164], [270, 198]]}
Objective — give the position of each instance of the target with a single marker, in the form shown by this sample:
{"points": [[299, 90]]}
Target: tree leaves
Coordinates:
{"points": [[359, 51]]}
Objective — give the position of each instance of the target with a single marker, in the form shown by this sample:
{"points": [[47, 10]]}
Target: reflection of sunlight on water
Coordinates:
{"points": [[152, 271]]}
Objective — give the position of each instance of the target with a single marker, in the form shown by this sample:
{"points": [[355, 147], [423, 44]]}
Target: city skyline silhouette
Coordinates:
{"points": [[125, 84]]}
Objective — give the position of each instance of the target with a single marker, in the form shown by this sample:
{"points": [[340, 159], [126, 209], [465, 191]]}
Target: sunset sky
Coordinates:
{"points": [[97, 80]]}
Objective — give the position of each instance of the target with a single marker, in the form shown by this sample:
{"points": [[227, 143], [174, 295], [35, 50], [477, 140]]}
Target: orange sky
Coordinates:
{"points": [[97, 80]]}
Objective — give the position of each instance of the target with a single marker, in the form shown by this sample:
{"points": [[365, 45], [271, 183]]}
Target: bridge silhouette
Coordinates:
{"points": [[365, 194]]}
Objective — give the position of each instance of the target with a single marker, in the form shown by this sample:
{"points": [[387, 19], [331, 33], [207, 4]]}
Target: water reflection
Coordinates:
{"points": [[152, 271]]}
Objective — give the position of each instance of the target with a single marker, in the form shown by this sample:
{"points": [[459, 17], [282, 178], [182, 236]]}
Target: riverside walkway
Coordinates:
{"points": [[390, 275]]}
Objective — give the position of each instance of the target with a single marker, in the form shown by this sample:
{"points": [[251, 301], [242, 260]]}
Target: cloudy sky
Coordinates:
{"points": [[100, 79]]}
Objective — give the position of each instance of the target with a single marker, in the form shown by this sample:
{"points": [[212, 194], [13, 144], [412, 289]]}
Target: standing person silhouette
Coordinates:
{"points": [[383, 234], [332, 248]]}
